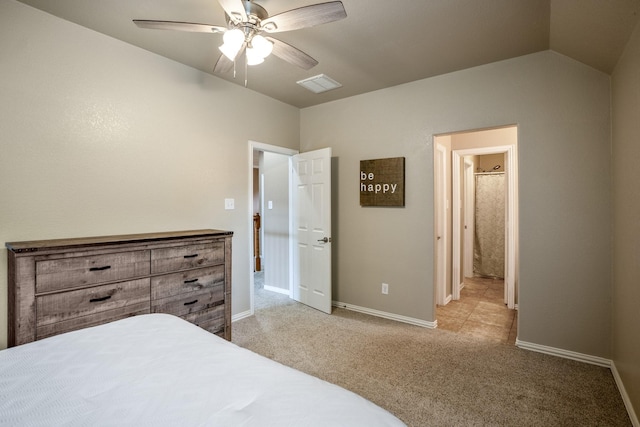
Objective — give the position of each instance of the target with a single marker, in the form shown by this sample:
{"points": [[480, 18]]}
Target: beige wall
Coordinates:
{"points": [[626, 218], [562, 110], [99, 137]]}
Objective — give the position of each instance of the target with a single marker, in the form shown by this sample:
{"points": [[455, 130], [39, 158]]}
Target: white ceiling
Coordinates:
{"points": [[381, 43]]}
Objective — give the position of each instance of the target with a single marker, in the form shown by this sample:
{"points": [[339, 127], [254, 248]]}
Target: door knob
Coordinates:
{"points": [[325, 239]]}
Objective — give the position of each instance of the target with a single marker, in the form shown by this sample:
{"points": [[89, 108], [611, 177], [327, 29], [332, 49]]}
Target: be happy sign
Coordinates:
{"points": [[382, 182]]}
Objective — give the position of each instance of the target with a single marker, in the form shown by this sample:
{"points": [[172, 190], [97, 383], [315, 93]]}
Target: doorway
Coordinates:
{"points": [[294, 203], [270, 270], [488, 157]]}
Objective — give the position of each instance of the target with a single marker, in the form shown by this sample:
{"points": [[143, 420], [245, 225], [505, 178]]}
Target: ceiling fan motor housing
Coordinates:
{"points": [[250, 27]]}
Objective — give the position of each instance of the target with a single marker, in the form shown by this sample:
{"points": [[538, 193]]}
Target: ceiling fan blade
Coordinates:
{"points": [[235, 9], [307, 16], [224, 64], [292, 54], [179, 26]]}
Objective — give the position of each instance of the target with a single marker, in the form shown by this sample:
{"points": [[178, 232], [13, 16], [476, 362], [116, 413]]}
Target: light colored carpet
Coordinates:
{"points": [[431, 377]]}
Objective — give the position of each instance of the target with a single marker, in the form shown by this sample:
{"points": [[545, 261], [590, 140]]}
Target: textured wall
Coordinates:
{"points": [[562, 111], [626, 212], [99, 137]]}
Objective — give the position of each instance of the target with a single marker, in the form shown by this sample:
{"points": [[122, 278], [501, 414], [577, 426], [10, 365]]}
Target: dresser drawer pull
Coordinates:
{"points": [[106, 267], [100, 299], [191, 256], [190, 303], [190, 281]]}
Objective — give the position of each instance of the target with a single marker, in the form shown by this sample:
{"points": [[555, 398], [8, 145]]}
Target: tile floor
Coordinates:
{"points": [[480, 312]]}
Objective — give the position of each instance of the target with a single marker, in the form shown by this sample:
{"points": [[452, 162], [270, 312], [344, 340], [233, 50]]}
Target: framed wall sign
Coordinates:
{"points": [[382, 182]]}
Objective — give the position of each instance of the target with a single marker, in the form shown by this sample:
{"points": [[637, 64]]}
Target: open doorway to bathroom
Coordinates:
{"points": [[476, 294]]}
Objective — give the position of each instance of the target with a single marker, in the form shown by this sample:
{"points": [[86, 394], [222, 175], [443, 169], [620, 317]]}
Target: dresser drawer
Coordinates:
{"points": [[170, 285], [186, 257], [66, 311], [71, 272], [211, 319], [190, 302]]}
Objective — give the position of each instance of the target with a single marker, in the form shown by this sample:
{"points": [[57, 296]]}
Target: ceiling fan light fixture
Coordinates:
{"points": [[233, 40], [254, 57], [262, 46]]}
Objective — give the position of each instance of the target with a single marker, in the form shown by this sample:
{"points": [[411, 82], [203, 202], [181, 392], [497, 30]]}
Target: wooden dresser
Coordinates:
{"points": [[61, 285]]}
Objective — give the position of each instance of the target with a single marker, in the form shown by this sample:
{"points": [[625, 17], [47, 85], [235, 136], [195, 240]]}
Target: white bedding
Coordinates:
{"points": [[159, 370]]}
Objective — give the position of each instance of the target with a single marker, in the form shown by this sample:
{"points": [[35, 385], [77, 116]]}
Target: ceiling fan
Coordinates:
{"points": [[249, 27]]}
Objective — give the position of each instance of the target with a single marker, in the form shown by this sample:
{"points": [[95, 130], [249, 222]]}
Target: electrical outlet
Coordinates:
{"points": [[229, 204], [385, 288]]}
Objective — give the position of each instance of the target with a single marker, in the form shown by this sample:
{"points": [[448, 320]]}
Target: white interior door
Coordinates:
{"points": [[312, 229], [440, 193], [469, 218]]}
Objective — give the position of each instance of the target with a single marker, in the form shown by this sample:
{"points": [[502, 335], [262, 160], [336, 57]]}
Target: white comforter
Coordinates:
{"points": [[159, 370]]}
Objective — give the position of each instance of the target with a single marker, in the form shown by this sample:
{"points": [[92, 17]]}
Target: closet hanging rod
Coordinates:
{"points": [[488, 173]]}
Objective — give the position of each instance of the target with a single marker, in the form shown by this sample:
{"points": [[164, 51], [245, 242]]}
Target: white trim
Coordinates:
{"points": [[241, 316], [277, 290], [292, 240], [565, 354], [455, 223], [385, 315], [441, 221], [593, 360], [625, 397], [468, 217]]}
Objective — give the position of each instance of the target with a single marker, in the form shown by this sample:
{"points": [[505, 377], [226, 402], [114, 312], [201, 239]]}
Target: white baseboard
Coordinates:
{"points": [[385, 315], [586, 358], [566, 354], [241, 316], [277, 290], [625, 397]]}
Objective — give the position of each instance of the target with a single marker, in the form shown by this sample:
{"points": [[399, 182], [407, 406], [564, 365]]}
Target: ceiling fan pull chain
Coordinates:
{"points": [[246, 79]]}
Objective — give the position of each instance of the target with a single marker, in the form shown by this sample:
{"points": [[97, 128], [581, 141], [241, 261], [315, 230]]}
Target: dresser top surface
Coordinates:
{"points": [[37, 245]]}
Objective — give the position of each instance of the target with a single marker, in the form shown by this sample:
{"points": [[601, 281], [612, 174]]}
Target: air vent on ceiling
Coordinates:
{"points": [[320, 83]]}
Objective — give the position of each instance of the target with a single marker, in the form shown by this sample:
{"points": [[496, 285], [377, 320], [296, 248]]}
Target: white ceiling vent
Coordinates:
{"points": [[320, 83]]}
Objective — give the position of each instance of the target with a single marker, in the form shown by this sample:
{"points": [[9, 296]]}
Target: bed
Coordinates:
{"points": [[158, 369]]}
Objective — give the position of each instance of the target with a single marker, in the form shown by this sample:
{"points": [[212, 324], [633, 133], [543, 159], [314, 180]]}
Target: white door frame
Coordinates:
{"points": [[441, 203], [510, 218], [469, 217], [259, 146]]}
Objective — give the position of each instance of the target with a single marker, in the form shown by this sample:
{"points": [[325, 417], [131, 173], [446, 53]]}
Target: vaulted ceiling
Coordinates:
{"points": [[380, 44]]}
